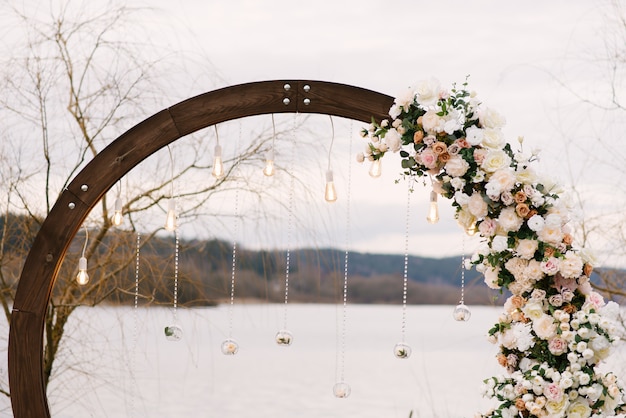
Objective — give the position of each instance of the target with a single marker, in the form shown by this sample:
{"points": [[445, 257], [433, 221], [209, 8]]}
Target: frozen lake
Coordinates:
{"points": [[117, 363]]}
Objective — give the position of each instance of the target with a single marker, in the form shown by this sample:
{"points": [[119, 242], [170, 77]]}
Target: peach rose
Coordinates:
{"points": [[522, 210], [444, 157], [440, 147], [418, 136], [520, 197]]}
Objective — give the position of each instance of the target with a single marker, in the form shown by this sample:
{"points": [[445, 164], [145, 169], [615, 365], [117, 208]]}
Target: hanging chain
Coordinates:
{"points": [[176, 254], [344, 318], [405, 278], [463, 272], [289, 218], [234, 265], [133, 365]]}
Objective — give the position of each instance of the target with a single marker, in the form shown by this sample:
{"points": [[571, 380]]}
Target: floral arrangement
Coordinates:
{"points": [[555, 329]]}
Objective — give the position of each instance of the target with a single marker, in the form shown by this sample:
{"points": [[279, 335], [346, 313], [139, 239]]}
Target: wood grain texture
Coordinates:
{"points": [[28, 394]]}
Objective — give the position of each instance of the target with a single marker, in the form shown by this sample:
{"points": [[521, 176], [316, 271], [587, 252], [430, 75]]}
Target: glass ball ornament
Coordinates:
{"points": [[173, 332], [402, 350], [461, 313], [284, 337], [230, 347], [341, 390]]}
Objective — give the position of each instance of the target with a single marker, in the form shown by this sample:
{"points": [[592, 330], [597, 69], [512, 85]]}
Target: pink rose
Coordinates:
{"points": [[479, 155], [557, 346], [487, 227], [553, 392], [596, 300], [429, 158], [550, 266]]}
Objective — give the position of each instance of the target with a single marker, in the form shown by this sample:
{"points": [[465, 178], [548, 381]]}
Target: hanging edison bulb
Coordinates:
{"points": [[118, 216], [218, 165], [269, 163], [376, 168], [170, 221], [331, 193], [433, 211], [284, 337], [471, 229], [82, 277]]}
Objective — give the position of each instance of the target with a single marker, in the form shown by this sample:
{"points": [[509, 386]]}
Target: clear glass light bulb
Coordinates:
{"points": [[341, 390], [170, 221], [269, 164], [118, 216], [218, 166], [376, 168], [330, 194], [472, 229], [82, 277], [433, 211]]}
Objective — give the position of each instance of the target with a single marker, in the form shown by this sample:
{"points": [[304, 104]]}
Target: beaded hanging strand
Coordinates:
{"points": [[341, 389], [230, 346], [401, 349], [461, 311], [133, 365], [284, 337]]}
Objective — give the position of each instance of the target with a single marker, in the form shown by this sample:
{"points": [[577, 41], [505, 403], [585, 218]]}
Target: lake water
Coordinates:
{"points": [[117, 363]]}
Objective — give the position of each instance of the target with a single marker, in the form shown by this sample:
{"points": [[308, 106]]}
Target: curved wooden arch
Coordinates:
{"points": [[28, 393]]}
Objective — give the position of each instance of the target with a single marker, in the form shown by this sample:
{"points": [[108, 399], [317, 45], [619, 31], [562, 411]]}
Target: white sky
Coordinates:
{"points": [[513, 51]]}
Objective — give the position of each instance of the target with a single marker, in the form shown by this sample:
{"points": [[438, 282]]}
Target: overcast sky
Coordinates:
{"points": [[516, 53]]}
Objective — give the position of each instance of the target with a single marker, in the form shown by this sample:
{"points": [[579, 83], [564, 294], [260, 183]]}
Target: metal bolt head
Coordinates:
{"points": [[287, 87], [286, 101], [306, 88], [71, 205], [84, 187], [307, 101], [49, 257]]}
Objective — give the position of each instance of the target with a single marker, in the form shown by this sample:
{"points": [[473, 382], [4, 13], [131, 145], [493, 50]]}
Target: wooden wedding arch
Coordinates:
{"points": [[25, 352]]}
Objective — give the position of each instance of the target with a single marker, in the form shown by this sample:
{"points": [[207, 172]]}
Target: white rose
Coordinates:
{"points": [[526, 248], [533, 271], [492, 138], [544, 327], [572, 266], [393, 140], [504, 178], [526, 176], [489, 118], [533, 310], [427, 92], [457, 166], [458, 183], [536, 223], [432, 122], [550, 234], [509, 221], [499, 243], [403, 101], [491, 278], [579, 409], [495, 160], [474, 135], [477, 205]]}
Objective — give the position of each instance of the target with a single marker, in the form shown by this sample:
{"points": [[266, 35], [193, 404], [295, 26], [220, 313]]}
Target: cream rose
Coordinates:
{"points": [[504, 178], [457, 166], [526, 248], [427, 92], [544, 327], [495, 160], [579, 409], [492, 138], [509, 221], [477, 205], [571, 266], [393, 140], [432, 122], [490, 118]]}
